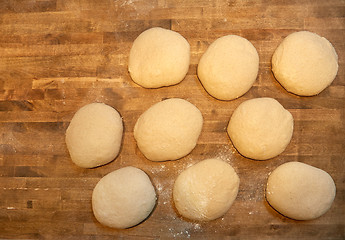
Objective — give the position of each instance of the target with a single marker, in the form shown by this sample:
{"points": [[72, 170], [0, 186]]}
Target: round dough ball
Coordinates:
{"points": [[158, 58], [300, 191], [168, 130], [260, 128], [305, 63], [229, 67], [123, 198], [94, 135], [206, 190]]}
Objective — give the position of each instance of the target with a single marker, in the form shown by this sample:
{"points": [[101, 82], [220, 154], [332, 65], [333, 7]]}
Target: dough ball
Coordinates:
{"points": [[300, 191], [260, 128], [158, 58], [206, 190], [229, 67], [168, 130], [305, 63], [123, 198], [94, 135]]}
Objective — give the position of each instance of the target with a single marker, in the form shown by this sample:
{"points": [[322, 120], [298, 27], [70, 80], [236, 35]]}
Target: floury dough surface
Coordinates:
{"points": [[159, 57], [123, 198], [94, 135], [206, 190], [260, 128], [300, 191], [305, 63], [229, 67], [168, 130]]}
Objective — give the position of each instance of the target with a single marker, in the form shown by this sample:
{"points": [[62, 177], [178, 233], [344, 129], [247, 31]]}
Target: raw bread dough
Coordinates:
{"points": [[94, 135], [305, 63], [300, 191], [206, 190], [123, 198], [260, 128], [158, 58], [168, 130], [229, 67]]}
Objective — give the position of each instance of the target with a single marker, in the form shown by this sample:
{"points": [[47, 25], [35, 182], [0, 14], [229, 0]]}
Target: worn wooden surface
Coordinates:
{"points": [[56, 56]]}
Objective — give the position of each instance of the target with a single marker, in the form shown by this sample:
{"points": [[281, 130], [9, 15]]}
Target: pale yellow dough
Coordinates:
{"points": [[159, 57], [168, 130], [206, 190], [123, 198], [305, 63], [300, 191], [94, 135], [229, 67], [260, 128]]}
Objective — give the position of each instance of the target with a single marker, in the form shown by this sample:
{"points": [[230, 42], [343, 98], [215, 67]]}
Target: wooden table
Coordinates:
{"points": [[56, 56]]}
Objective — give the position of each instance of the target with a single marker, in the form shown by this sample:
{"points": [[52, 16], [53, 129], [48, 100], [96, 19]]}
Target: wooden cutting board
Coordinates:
{"points": [[56, 56]]}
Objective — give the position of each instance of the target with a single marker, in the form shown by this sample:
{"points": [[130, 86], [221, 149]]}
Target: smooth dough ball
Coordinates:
{"points": [[260, 128], [123, 198], [229, 67], [305, 63], [168, 130], [206, 190], [94, 135], [158, 58], [300, 191]]}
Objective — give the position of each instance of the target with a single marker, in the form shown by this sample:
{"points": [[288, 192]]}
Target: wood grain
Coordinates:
{"points": [[57, 55]]}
